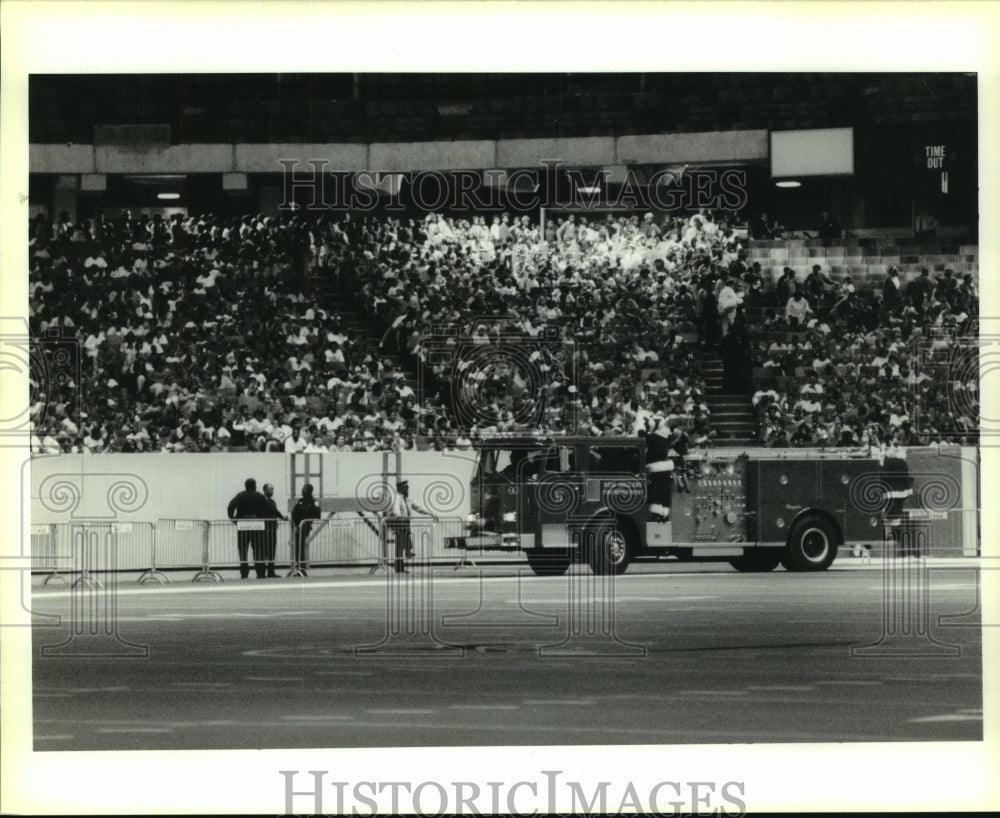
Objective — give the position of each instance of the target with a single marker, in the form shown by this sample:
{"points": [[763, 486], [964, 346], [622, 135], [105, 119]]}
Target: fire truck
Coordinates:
{"points": [[566, 499]]}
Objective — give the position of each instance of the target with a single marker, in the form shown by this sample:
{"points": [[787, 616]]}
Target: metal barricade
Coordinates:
{"points": [[434, 540], [210, 546], [351, 540], [446, 535], [369, 539], [135, 543], [152, 573], [46, 554], [184, 544], [106, 547]]}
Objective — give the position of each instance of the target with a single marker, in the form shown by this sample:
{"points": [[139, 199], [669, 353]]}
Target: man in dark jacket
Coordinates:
{"points": [[734, 350], [892, 296], [829, 227], [922, 290], [815, 287], [249, 504], [271, 528], [306, 510], [899, 482], [946, 286], [785, 287]]}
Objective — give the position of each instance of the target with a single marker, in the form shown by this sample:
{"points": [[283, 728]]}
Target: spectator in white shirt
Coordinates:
{"points": [[296, 441], [728, 304], [797, 309], [334, 355], [96, 260]]}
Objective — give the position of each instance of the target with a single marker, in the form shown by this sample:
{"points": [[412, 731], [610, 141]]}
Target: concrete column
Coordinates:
{"points": [[64, 195]]}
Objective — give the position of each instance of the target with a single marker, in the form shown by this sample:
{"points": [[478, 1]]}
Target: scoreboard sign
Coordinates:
{"points": [[935, 155], [936, 159]]}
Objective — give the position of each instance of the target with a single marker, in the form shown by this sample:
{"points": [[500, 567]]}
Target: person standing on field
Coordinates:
{"points": [[271, 529], [304, 514], [249, 504], [398, 522]]}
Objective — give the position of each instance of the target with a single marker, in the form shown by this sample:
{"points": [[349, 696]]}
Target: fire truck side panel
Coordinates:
{"points": [[709, 503], [782, 489], [846, 487]]}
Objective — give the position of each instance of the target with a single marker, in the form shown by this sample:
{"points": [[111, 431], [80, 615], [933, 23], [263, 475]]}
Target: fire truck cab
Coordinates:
{"points": [[561, 499]]}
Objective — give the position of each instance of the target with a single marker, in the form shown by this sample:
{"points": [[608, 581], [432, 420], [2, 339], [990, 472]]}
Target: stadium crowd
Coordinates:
{"points": [[200, 333], [197, 333], [601, 324], [842, 369]]}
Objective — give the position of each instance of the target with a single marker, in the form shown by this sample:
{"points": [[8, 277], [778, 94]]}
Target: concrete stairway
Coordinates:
{"points": [[731, 414], [355, 323]]}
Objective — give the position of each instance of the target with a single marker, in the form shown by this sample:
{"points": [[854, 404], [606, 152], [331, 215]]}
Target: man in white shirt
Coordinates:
{"points": [[811, 387], [729, 303], [96, 260], [398, 523], [258, 424], [297, 440], [760, 394], [809, 405], [797, 309], [207, 279], [92, 343], [47, 444], [91, 442], [280, 429], [405, 390], [334, 355]]}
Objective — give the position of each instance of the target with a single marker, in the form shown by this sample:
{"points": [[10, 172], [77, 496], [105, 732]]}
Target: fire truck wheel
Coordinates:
{"points": [[548, 563], [610, 552], [757, 560], [812, 545]]}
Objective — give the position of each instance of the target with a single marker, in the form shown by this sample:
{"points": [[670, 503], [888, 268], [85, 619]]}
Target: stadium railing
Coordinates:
{"points": [[184, 544], [86, 550], [82, 551], [347, 541], [46, 555]]}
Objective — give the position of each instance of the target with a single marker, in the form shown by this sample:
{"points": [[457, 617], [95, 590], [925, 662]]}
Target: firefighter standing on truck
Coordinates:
{"points": [[660, 466], [679, 444]]}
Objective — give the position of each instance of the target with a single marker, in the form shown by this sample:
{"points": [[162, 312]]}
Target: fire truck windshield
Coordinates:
{"points": [[519, 464]]}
